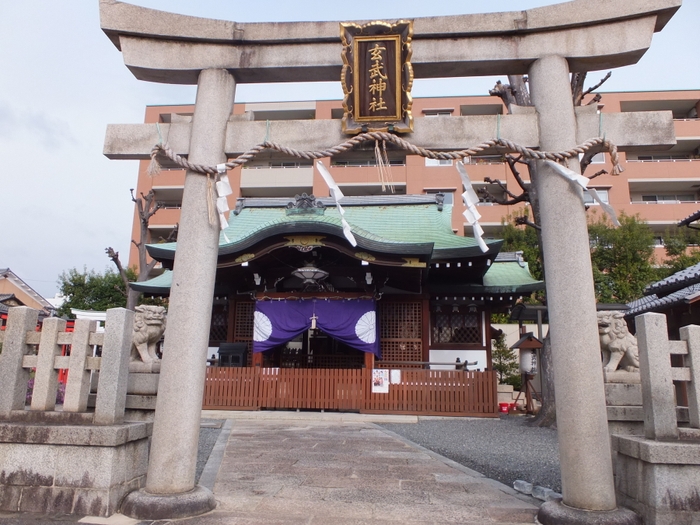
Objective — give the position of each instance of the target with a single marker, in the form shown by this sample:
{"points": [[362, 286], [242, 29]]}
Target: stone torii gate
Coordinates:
{"points": [[546, 43]]}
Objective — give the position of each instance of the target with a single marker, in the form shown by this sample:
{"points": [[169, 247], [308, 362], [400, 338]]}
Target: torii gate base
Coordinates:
{"points": [[168, 506], [556, 513]]}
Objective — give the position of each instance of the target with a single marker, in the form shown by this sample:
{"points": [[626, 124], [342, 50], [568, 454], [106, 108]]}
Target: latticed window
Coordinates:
{"points": [[456, 325], [219, 324], [400, 328], [243, 321], [243, 325]]}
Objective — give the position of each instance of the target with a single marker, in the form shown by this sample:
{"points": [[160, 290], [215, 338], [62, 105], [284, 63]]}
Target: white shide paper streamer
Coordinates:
{"points": [[223, 188], [337, 195], [583, 182], [471, 214]]}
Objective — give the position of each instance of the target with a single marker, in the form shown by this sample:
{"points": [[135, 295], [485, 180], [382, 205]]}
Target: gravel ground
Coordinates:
{"points": [[207, 439], [504, 449]]}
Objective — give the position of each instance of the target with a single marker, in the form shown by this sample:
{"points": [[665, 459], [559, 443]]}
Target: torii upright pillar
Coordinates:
{"points": [[584, 446], [170, 489]]}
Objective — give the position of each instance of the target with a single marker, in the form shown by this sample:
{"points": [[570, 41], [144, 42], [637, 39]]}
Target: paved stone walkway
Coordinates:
{"points": [[312, 472], [301, 471]]}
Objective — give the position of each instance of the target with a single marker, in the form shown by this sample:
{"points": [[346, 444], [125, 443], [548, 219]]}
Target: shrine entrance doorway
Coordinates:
{"points": [[314, 349]]}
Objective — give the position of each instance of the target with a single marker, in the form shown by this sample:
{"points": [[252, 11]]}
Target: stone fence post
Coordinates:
{"points": [[78, 385], [13, 377], [46, 375], [114, 367]]}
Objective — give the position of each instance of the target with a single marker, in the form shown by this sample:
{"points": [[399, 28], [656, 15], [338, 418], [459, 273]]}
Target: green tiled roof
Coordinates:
{"points": [[502, 277], [386, 226], [394, 224], [156, 285], [510, 277]]}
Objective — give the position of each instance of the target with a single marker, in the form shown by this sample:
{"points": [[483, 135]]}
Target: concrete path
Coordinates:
{"points": [[340, 470], [320, 472]]}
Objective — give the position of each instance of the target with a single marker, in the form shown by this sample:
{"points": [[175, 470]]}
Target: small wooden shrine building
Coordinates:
{"points": [[411, 295]]}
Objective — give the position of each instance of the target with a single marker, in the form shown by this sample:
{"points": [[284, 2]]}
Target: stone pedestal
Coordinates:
{"points": [[141, 393], [141, 390], [660, 480], [624, 405], [71, 469]]}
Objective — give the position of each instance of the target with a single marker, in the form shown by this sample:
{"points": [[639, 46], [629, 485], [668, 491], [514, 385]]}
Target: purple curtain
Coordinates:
{"points": [[351, 321]]}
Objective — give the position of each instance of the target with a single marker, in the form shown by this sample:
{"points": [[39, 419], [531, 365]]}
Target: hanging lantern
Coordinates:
{"points": [[310, 274]]}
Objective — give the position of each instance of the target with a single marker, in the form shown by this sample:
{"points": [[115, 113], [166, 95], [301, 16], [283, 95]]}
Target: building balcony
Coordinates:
{"points": [[664, 189], [687, 127], [170, 195], [662, 214], [355, 174], [169, 178], [165, 217], [276, 181]]}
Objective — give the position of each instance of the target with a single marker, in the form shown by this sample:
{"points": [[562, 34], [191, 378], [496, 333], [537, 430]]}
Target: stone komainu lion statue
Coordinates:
{"points": [[149, 325], [618, 346]]}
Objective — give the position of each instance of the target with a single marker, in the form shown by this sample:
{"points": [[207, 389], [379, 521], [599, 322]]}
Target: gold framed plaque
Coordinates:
{"points": [[377, 77]]}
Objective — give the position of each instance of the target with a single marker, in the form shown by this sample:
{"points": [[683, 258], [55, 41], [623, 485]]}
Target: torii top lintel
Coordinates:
{"points": [[591, 34]]}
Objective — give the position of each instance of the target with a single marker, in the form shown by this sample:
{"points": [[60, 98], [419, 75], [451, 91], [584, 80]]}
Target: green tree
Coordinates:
{"points": [[505, 362], [622, 258], [89, 290], [681, 250], [523, 239]]}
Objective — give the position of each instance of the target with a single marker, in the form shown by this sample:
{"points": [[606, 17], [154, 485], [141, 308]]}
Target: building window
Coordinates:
{"points": [[603, 194], [455, 325], [662, 158], [485, 159], [437, 112], [438, 162], [669, 198]]}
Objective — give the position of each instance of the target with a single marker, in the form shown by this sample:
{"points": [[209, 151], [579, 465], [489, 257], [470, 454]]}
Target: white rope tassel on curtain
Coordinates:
{"points": [[583, 182], [337, 195], [223, 188], [471, 214]]}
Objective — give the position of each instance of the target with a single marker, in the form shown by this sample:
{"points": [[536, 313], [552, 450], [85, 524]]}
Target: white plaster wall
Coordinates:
{"points": [[450, 356]]}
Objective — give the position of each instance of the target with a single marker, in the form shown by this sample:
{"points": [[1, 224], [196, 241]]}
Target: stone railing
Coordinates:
{"points": [[657, 474], [658, 376], [18, 358]]}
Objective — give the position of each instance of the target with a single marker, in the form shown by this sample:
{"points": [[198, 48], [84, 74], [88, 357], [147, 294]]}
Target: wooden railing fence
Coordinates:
{"points": [[419, 392]]}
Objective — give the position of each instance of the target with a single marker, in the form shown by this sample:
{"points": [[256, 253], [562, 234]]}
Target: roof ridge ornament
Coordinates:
{"points": [[305, 204]]}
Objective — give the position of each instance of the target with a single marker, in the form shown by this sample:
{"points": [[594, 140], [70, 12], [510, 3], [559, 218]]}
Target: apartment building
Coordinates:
{"points": [[662, 186]]}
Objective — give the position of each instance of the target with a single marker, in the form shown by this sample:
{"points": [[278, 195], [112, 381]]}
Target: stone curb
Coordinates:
{"points": [[211, 469], [343, 417]]}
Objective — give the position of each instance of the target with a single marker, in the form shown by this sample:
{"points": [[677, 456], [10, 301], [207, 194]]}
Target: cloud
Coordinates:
{"points": [[49, 132]]}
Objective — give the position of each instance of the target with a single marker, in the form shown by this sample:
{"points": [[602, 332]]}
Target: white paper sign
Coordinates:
{"points": [[380, 381]]}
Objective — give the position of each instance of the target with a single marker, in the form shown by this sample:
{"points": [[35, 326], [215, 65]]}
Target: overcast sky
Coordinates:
{"points": [[62, 81]]}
